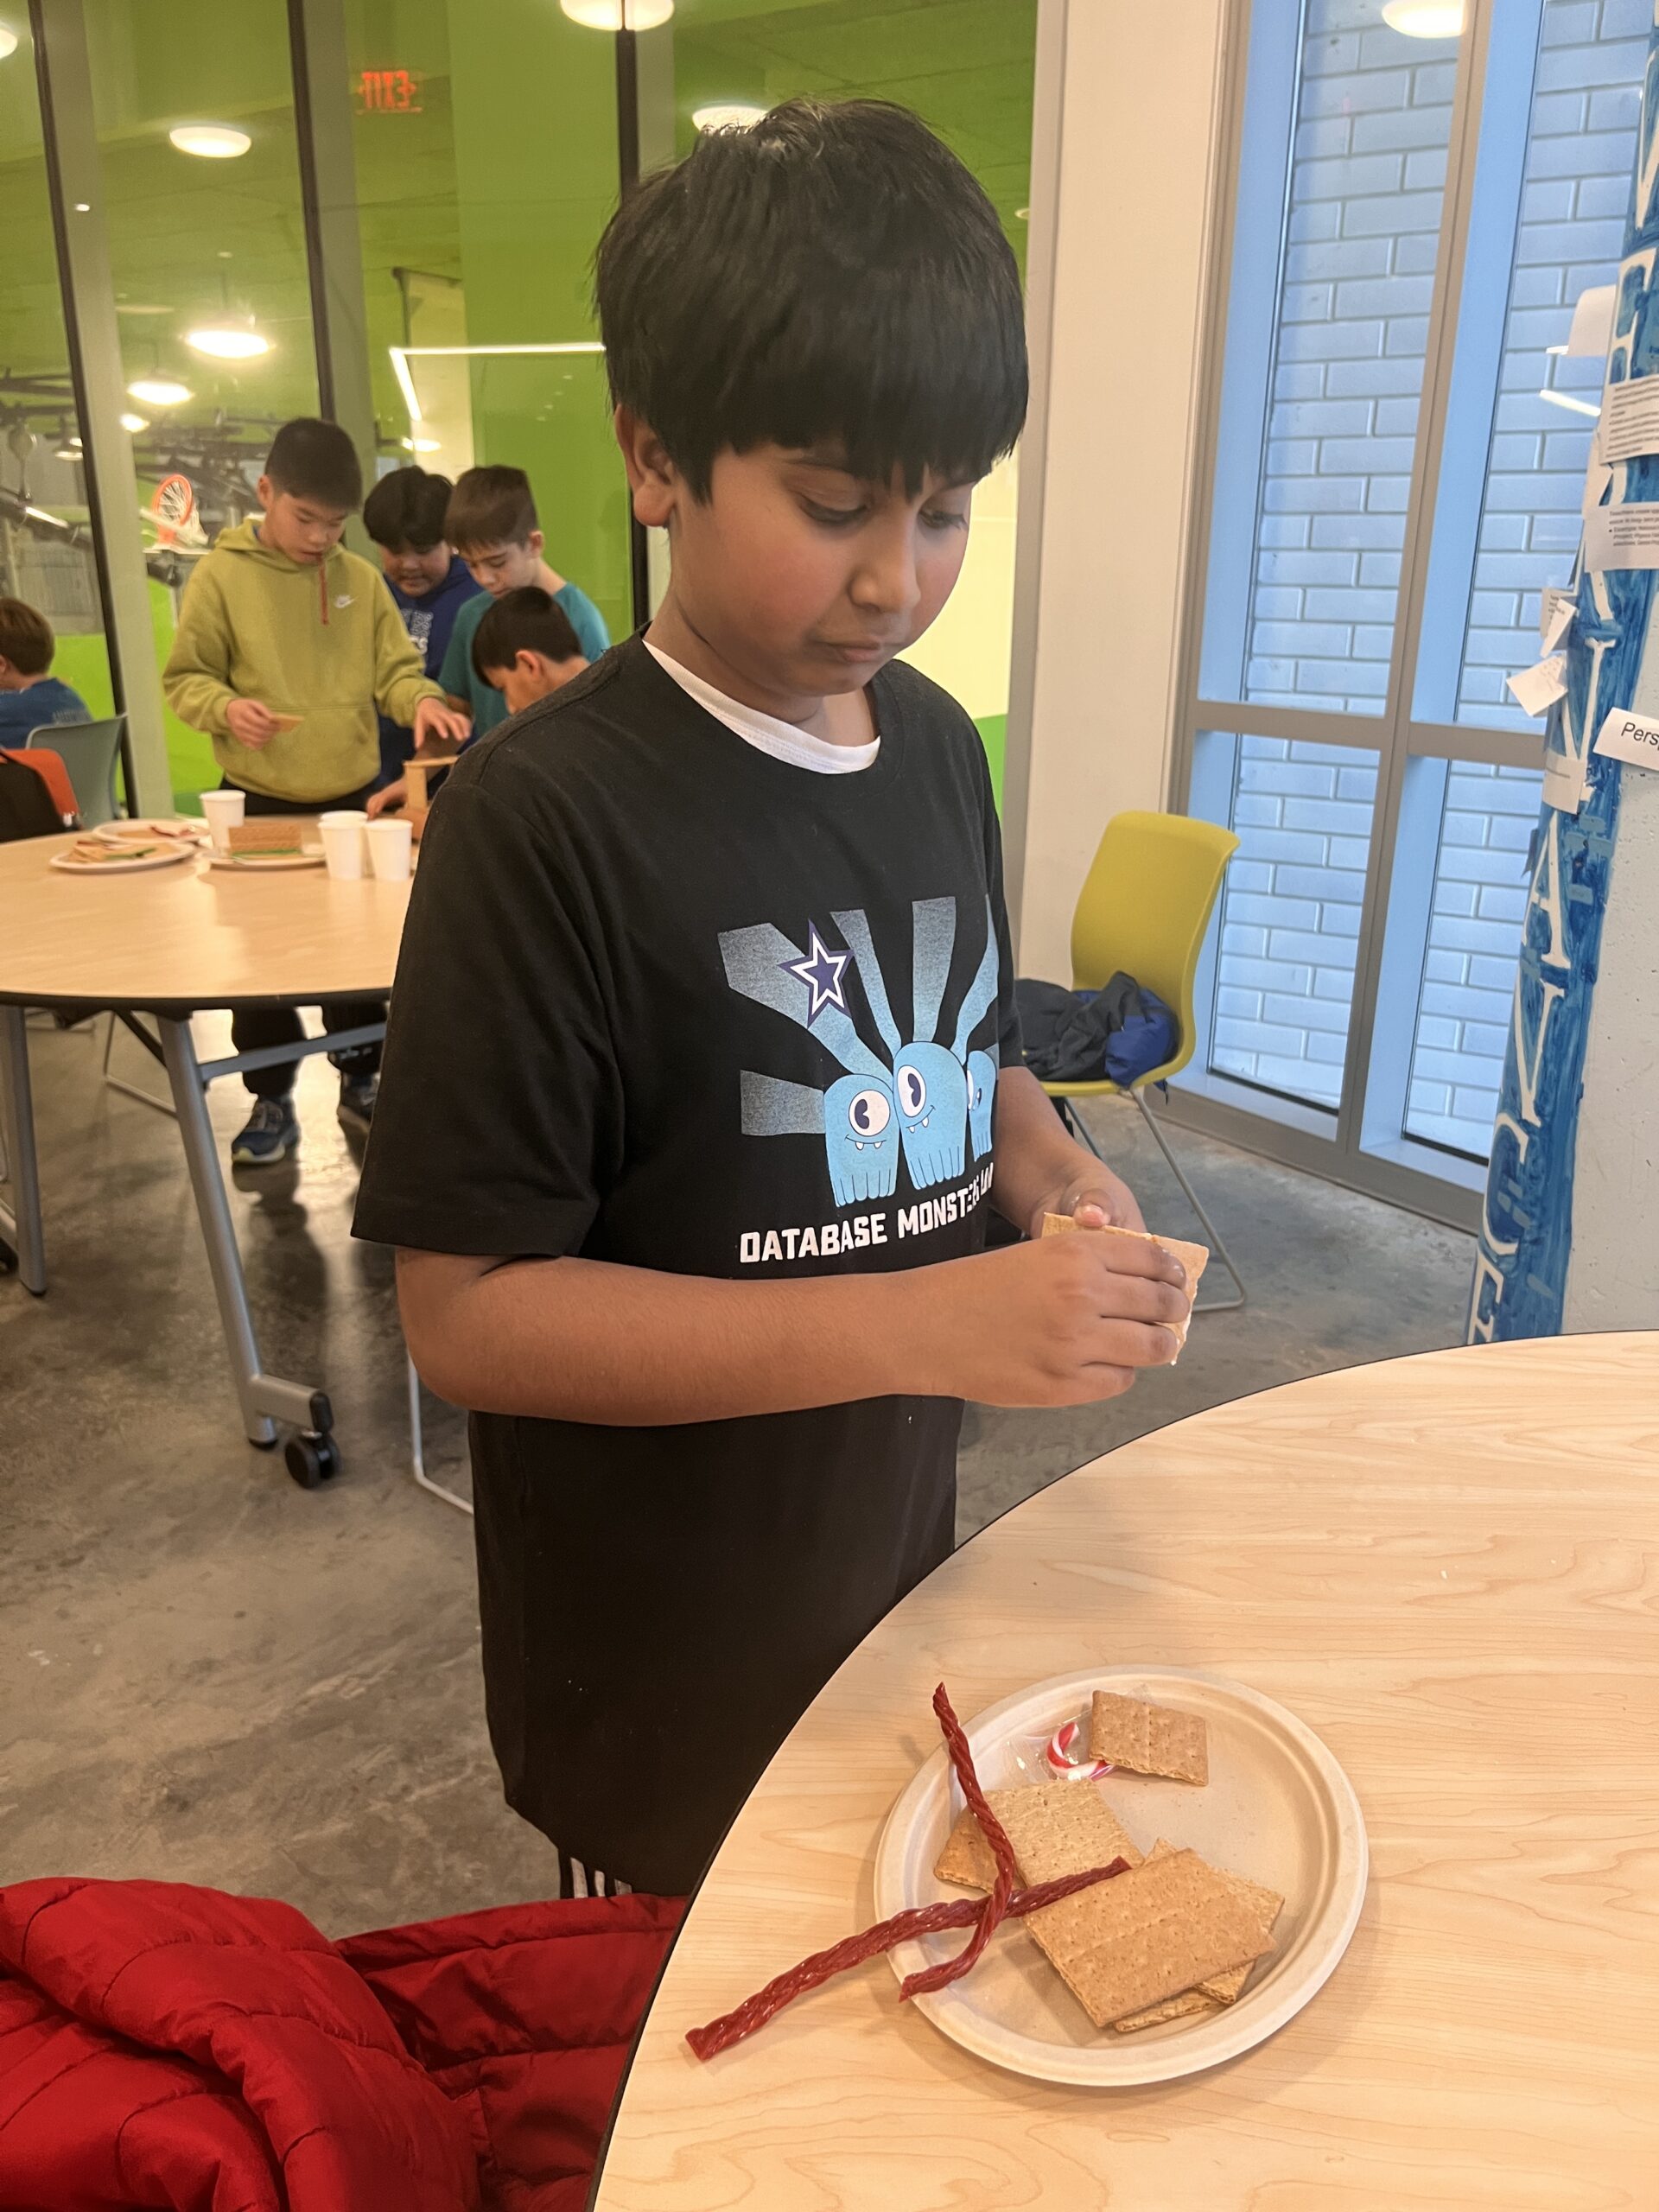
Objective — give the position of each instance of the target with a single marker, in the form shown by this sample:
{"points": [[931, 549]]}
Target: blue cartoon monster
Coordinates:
{"points": [[856, 1118], [982, 1097]]}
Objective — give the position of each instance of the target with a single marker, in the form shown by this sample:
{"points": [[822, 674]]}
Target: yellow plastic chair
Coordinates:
{"points": [[1144, 908]]}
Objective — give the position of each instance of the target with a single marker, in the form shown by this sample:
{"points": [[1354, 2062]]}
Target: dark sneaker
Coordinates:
{"points": [[357, 1100], [270, 1133]]}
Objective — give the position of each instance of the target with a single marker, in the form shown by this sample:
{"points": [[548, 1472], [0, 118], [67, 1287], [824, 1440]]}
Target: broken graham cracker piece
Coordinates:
{"points": [[1056, 1828], [1188, 2006], [1142, 1738], [1267, 1904], [1154, 1933], [1194, 1258]]}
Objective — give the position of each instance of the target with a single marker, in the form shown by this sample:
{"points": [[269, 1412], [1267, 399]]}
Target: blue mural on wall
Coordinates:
{"points": [[1526, 1232]]}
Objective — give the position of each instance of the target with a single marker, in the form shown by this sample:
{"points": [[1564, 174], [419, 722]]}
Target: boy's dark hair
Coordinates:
{"points": [[526, 621], [406, 509], [311, 459], [490, 506], [26, 639], [833, 276]]}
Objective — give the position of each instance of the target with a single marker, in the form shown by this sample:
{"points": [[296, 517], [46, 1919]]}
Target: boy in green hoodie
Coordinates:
{"points": [[280, 622]]}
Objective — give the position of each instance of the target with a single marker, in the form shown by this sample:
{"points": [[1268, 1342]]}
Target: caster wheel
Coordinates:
{"points": [[312, 1460]]}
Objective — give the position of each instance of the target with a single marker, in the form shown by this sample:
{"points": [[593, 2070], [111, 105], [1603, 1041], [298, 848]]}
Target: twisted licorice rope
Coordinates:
{"points": [[981, 1914]]}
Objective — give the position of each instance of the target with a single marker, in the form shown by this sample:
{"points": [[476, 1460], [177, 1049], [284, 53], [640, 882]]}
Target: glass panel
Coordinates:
{"points": [[1320, 410], [1580, 150], [46, 556], [1474, 943], [966, 66], [1290, 915], [484, 141], [203, 241]]}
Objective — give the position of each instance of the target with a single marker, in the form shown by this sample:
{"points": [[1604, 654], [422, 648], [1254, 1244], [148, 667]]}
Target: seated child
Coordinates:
{"points": [[404, 514], [31, 697], [287, 645], [492, 524]]}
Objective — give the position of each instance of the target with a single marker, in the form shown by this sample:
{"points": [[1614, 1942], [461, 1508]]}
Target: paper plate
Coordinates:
{"points": [[1277, 1809], [129, 864], [308, 856], [177, 830]]}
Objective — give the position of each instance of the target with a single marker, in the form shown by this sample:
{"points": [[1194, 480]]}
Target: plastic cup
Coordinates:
{"points": [[222, 811], [390, 839], [342, 843]]}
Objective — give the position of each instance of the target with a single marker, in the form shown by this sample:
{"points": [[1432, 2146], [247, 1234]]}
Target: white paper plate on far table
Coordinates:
{"points": [[1277, 1809], [92, 855], [174, 830]]}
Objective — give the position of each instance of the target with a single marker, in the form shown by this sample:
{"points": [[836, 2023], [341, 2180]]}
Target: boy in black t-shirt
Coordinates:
{"points": [[708, 1067]]}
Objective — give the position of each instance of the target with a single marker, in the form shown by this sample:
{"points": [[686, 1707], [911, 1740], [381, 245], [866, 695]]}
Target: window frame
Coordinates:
{"points": [[1362, 1145]]}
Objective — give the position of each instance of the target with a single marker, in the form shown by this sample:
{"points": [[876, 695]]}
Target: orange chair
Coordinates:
{"points": [[49, 767]]}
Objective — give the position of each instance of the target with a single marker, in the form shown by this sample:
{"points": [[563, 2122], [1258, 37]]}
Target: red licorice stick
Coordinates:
{"points": [[1007, 1873], [853, 1950]]}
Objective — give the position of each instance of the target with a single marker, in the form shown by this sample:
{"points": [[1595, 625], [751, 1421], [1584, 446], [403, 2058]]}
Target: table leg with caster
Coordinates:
{"points": [[265, 1399], [20, 1223]]}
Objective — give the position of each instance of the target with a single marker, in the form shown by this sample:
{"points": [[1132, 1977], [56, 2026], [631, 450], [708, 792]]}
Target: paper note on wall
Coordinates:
{"points": [[1629, 420], [1621, 537], [1555, 612], [1536, 690], [1566, 779], [1596, 478], [1629, 737]]}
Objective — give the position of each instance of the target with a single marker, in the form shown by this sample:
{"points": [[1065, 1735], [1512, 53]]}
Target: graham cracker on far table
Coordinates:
{"points": [[1156, 1932], [1193, 1257], [1146, 1738], [1058, 1828]]}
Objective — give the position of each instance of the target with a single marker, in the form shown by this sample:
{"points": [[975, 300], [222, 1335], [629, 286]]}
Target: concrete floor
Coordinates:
{"points": [[211, 1675]]}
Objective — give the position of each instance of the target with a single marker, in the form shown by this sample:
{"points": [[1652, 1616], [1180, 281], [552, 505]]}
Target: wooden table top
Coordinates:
{"points": [[190, 935], [1448, 1567]]}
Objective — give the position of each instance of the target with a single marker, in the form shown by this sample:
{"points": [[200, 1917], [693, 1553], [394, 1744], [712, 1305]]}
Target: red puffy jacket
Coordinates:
{"points": [[167, 2046]]}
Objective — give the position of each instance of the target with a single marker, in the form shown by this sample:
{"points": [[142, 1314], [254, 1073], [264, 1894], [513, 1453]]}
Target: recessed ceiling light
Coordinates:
{"points": [[214, 142], [8, 41], [228, 342], [727, 115], [134, 423], [618, 15], [422, 445], [160, 391], [1022, 214], [1425, 18], [66, 453]]}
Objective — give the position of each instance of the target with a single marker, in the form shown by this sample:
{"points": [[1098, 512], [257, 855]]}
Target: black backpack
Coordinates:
{"points": [[26, 807]]}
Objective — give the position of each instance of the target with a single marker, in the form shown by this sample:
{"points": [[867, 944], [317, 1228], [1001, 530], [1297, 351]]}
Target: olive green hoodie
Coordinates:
{"points": [[325, 642]]}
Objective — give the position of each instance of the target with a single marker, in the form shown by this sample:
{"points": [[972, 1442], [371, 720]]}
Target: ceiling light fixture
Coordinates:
{"points": [[403, 355], [727, 115], [134, 423], [160, 391], [228, 342], [8, 41], [65, 453], [422, 445], [1425, 18], [618, 15], [213, 142]]}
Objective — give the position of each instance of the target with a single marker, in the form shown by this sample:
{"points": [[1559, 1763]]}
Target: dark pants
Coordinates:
{"points": [[254, 1028]]}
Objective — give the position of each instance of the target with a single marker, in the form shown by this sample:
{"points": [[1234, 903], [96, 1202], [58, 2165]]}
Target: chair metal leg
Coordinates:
{"points": [[20, 1223], [417, 1447], [1204, 1305], [117, 1082]]}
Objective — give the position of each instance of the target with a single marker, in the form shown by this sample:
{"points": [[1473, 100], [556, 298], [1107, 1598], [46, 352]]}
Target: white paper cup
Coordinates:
{"points": [[222, 811], [342, 843], [389, 839]]}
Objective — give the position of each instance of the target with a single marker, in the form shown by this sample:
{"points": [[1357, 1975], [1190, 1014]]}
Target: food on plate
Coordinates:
{"points": [[150, 833], [93, 852], [1054, 1829], [267, 835], [1193, 1257], [1148, 1739], [921, 1920]]}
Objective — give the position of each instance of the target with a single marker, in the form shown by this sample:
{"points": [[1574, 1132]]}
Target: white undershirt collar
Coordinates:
{"points": [[765, 732]]}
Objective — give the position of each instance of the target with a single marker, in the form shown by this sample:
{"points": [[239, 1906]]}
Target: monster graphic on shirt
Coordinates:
{"points": [[926, 1098]]}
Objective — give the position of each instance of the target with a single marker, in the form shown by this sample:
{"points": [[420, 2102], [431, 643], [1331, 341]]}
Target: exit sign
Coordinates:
{"points": [[387, 91]]}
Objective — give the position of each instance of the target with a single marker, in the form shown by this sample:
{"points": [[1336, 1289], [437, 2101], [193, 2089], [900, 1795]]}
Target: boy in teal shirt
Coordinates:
{"points": [[492, 524]]}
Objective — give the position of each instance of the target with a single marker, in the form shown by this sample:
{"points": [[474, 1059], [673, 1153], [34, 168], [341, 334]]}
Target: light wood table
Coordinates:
{"points": [[171, 943], [1449, 1567]]}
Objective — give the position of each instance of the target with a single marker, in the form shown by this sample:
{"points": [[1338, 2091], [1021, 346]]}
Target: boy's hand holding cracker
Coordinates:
{"points": [[253, 724], [436, 722], [1095, 1199]]}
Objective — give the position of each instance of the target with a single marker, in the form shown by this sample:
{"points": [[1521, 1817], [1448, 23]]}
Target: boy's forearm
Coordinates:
{"points": [[584, 1340], [1035, 1156]]}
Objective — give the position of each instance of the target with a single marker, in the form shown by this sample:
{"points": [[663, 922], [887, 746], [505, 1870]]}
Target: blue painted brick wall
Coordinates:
{"points": [[1367, 165]]}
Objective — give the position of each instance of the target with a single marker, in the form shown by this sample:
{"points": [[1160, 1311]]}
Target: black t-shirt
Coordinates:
{"points": [[666, 1000]]}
